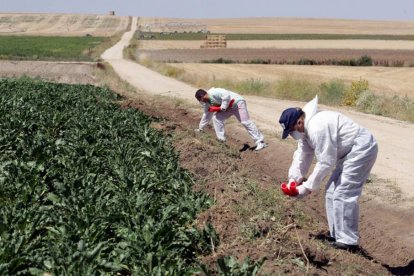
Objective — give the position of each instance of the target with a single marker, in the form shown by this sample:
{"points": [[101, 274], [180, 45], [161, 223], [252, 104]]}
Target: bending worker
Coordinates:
{"points": [[219, 104], [341, 145]]}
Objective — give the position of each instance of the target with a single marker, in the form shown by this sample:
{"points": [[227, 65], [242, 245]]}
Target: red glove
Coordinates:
{"points": [[231, 103], [289, 189], [214, 109]]}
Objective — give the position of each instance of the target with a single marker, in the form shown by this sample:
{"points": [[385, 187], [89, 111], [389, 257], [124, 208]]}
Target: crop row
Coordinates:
{"points": [[48, 48], [89, 188]]}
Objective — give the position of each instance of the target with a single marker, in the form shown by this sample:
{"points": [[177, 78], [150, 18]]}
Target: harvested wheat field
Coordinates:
{"points": [[289, 25], [61, 24]]}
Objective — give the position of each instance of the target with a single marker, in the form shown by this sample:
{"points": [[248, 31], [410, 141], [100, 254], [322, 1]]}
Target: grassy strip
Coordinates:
{"points": [[49, 48], [90, 188], [201, 36], [361, 61]]}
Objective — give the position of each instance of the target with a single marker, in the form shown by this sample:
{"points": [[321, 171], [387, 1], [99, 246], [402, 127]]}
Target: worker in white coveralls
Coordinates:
{"points": [[219, 104], [341, 145]]}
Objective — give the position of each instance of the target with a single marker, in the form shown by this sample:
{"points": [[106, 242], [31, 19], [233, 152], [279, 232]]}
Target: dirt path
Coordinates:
{"points": [[396, 157]]}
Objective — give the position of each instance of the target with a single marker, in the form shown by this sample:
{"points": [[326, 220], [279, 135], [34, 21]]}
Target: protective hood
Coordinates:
{"points": [[310, 109]]}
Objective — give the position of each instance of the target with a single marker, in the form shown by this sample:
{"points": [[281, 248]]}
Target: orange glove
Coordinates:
{"points": [[214, 109]]}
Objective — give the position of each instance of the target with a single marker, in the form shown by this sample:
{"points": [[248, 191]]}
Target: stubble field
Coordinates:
{"points": [[61, 24], [383, 78]]}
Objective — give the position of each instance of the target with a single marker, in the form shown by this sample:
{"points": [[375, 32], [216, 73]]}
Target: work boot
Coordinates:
{"points": [[323, 237], [347, 247], [260, 145], [330, 239]]}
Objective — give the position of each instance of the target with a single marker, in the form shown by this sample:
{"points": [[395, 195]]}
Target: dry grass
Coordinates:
{"points": [[383, 80]]}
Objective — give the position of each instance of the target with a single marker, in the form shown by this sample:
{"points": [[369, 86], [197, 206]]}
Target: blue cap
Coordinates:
{"points": [[288, 119]]}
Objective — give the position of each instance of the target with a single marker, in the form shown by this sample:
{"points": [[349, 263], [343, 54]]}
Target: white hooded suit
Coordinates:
{"points": [[349, 150], [222, 97]]}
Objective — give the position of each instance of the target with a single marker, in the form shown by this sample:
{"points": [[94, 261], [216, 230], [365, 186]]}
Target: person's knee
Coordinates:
{"points": [[218, 121], [246, 123]]}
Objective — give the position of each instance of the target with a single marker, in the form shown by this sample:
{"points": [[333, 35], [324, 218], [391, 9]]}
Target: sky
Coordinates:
{"points": [[344, 9]]}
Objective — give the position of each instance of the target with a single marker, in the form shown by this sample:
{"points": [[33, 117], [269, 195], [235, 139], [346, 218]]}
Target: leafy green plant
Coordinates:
{"points": [[296, 89], [228, 265], [332, 92], [365, 61], [401, 108], [90, 188], [352, 94]]}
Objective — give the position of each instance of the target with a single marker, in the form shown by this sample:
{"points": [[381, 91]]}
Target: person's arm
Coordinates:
{"points": [[302, 160], [326, 156], [206, 118], [225, 99]]}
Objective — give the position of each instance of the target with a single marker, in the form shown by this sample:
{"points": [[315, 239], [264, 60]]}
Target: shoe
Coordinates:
{"points": [[260, 145], [324, 237], [347, 247], [330, 239]]}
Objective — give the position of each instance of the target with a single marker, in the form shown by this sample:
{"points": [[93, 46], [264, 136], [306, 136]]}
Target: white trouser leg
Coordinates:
{"points": [[345, 207], [253, 131], [242, 115], [218, 123], [329, 198]]}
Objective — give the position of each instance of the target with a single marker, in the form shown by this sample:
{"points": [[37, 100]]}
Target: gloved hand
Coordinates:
{"points": [[290, 188], [302, 192], [214, 109]]}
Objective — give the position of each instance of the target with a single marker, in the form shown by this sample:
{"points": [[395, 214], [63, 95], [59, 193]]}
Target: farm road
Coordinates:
{"points": [[395, 138]]}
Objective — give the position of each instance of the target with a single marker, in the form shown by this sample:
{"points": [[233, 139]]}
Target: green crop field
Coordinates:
{"points": [[89, 188], [48, 48]]}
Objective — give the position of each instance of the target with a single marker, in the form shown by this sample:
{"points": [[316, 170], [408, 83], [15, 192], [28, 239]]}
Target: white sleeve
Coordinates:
{"points": [[326, 156], [302, 160], [225, 99], [206, 118]]}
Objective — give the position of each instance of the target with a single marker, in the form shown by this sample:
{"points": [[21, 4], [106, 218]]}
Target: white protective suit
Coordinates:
{"points": [[348, 149], [222, 97]]}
